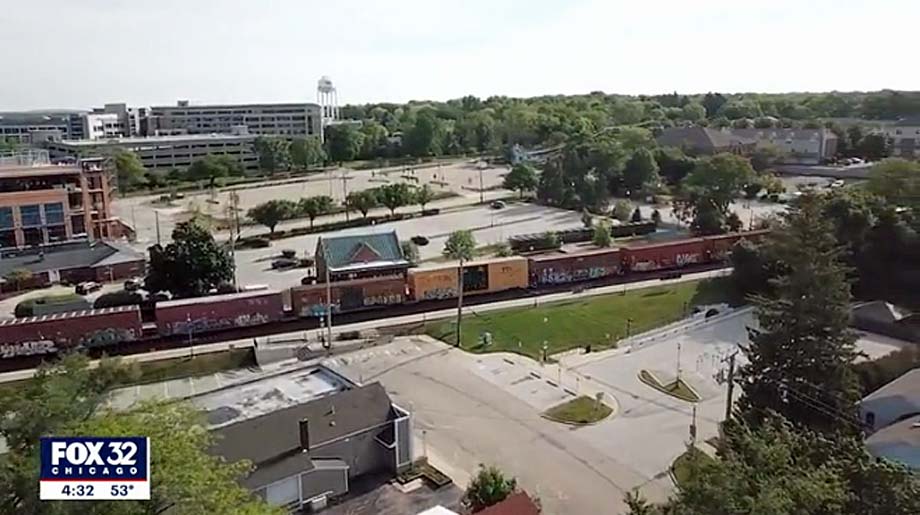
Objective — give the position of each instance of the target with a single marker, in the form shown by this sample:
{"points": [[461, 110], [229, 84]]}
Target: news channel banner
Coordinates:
{"points": [[95, 468]]}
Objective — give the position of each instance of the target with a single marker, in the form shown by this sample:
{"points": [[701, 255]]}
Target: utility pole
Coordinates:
{"points": [[693, 427], [156, 214], [459, 299], [481, 192], [345, 192], [678, 364], [191, 346], [328, 305], [731, 384]]}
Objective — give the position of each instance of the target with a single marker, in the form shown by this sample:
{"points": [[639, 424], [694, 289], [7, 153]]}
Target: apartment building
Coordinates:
{"points": [[905, 138], [288, 120], [41, 203], [165, 153]]}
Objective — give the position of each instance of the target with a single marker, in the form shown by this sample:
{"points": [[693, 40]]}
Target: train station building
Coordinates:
{"points": [[342, 258]]}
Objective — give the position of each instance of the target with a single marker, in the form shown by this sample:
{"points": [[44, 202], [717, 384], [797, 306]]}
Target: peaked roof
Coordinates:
{"points": [[879, 311], [695, 137], [898, 442], [372, 248], [518, 503], [907, 386], [66, 256]]}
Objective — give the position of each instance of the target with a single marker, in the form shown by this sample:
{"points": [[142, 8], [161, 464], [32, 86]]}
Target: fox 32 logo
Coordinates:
{"points": [[95, 468]]}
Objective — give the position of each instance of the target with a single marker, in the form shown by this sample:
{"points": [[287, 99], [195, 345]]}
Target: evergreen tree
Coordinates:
{"points": [[801, 354]]}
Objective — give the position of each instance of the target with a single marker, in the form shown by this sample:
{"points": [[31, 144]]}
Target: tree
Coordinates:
{"points": [[424, 137], [622, 210], [18, 276], [271, 212], [709, 190], [637, 215], [641, 171], [410, 252], [713, 103], [69, 398], [656, 217], [896, 180], [307, 152], [673, 164], [423, 196], [212, 166], [460, 245], [764, 156], [693, 112], [362, 201], [586, 219], [374, 140], [522, 177], [343, 142], [800, 356], [394, 196], [488, 487], [128, 170], [602, 237], [315, 206], [118, 298], [874, 147], [274, 154], [191, 265]]}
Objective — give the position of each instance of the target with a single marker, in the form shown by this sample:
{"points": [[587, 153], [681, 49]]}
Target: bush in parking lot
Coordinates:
{"points": [[118, 298]]}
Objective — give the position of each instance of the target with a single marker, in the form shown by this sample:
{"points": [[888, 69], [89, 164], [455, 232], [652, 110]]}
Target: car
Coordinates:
{"points": [[133, 284], [285, 263], [419, 240], [87, 287], [497, 204], [837, 184]]}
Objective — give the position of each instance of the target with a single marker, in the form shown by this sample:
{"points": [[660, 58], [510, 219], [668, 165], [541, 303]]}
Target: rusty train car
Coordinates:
{"points": [[111, 326]]}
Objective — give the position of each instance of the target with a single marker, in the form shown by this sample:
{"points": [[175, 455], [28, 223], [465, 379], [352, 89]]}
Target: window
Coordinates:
{"points": [[7, 238], [54, 213], [30, 215], [6, 218]]}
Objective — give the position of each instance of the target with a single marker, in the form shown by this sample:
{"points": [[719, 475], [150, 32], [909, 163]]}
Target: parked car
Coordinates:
{"points": [[85, 288], [497, 204], [284, 263], [134, 284]]}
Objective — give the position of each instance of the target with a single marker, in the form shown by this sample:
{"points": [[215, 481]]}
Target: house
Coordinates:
{"points": [[696, 140], [892, 402], [905, 138], [883, 318], [304, 454], [518, 503], [73, 262], [341, 258], [795, 146], [899, 442]]}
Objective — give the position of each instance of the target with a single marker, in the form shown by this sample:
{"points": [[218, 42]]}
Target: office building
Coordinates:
{"points": [[165, 153], [41, 203], [287, 120], [20, 127]]}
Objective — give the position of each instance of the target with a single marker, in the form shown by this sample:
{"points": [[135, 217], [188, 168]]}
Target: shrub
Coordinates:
{"points": [[118, 298]]}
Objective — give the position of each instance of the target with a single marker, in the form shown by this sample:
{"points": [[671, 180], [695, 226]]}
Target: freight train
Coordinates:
{"points": [[105, 328]]}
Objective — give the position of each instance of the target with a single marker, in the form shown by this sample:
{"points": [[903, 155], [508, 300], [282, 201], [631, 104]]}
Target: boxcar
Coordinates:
{"points": [[569, 268], [719, 247], [218, 312], [478, 277], [50, 333], [347, 296], [664, 256]]}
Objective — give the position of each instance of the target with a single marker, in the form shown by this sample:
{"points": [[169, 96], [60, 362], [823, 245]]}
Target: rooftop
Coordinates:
{"points": [[518, 503], [361, 251], [237, 106], [65, 256], [216, 298], [907, 385], [156, 139], [879, 311], [898, 442], [695, 137], [67, 315]]}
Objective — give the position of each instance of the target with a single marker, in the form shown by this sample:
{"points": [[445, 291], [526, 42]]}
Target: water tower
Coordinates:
{"points": [[328, 99]]}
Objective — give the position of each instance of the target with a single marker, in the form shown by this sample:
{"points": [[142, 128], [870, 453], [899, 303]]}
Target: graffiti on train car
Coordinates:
{"points": [[439, 293], [686, 259], [319, 309], [12, 350], [553, 276], [383, 300], [199, 325], [106, 337], [645, 266]]}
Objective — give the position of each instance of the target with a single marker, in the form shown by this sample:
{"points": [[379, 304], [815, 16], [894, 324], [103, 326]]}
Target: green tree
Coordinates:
{"points": [[896, 180], [801, 354], [622, 210], [602, 237], [191, 265], [274, 154], [307, 152], [362, 201], [489, 486], [68, 398], [271, 212], [343, 142], [641, 171], [422, 196], [764, 157], [128, 169], [315, 206], [693, 112], [673, 164], [394, 196], [211, 167], [461, 246], [713, 103], [522, 177], [424, 137], [18, 276], [709, 190], [874, 146], [374, 140], [118, 298]]}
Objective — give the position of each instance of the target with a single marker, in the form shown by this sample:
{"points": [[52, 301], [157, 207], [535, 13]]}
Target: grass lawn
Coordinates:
{"points": [[678, 388], [683, 466], [581, 410], [599, 321]]}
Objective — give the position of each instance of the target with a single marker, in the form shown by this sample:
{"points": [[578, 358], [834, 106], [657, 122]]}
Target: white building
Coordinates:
{"points": [[905, 138], [287, 120]]}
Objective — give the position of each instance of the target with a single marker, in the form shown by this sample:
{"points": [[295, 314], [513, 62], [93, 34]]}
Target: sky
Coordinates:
{"points": [[84, 53]]}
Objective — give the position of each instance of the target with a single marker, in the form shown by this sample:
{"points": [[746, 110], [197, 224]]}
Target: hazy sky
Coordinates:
{"points": [[83, 53]]}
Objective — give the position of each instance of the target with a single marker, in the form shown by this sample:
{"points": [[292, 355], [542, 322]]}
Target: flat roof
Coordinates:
{"points": [[67, 315], [236, 106], [178, 138], [38, 171], [217, 298], [570, 255]]}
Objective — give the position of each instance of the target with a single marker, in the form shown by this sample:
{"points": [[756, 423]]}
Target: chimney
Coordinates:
{"points": [[305, 434]]}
